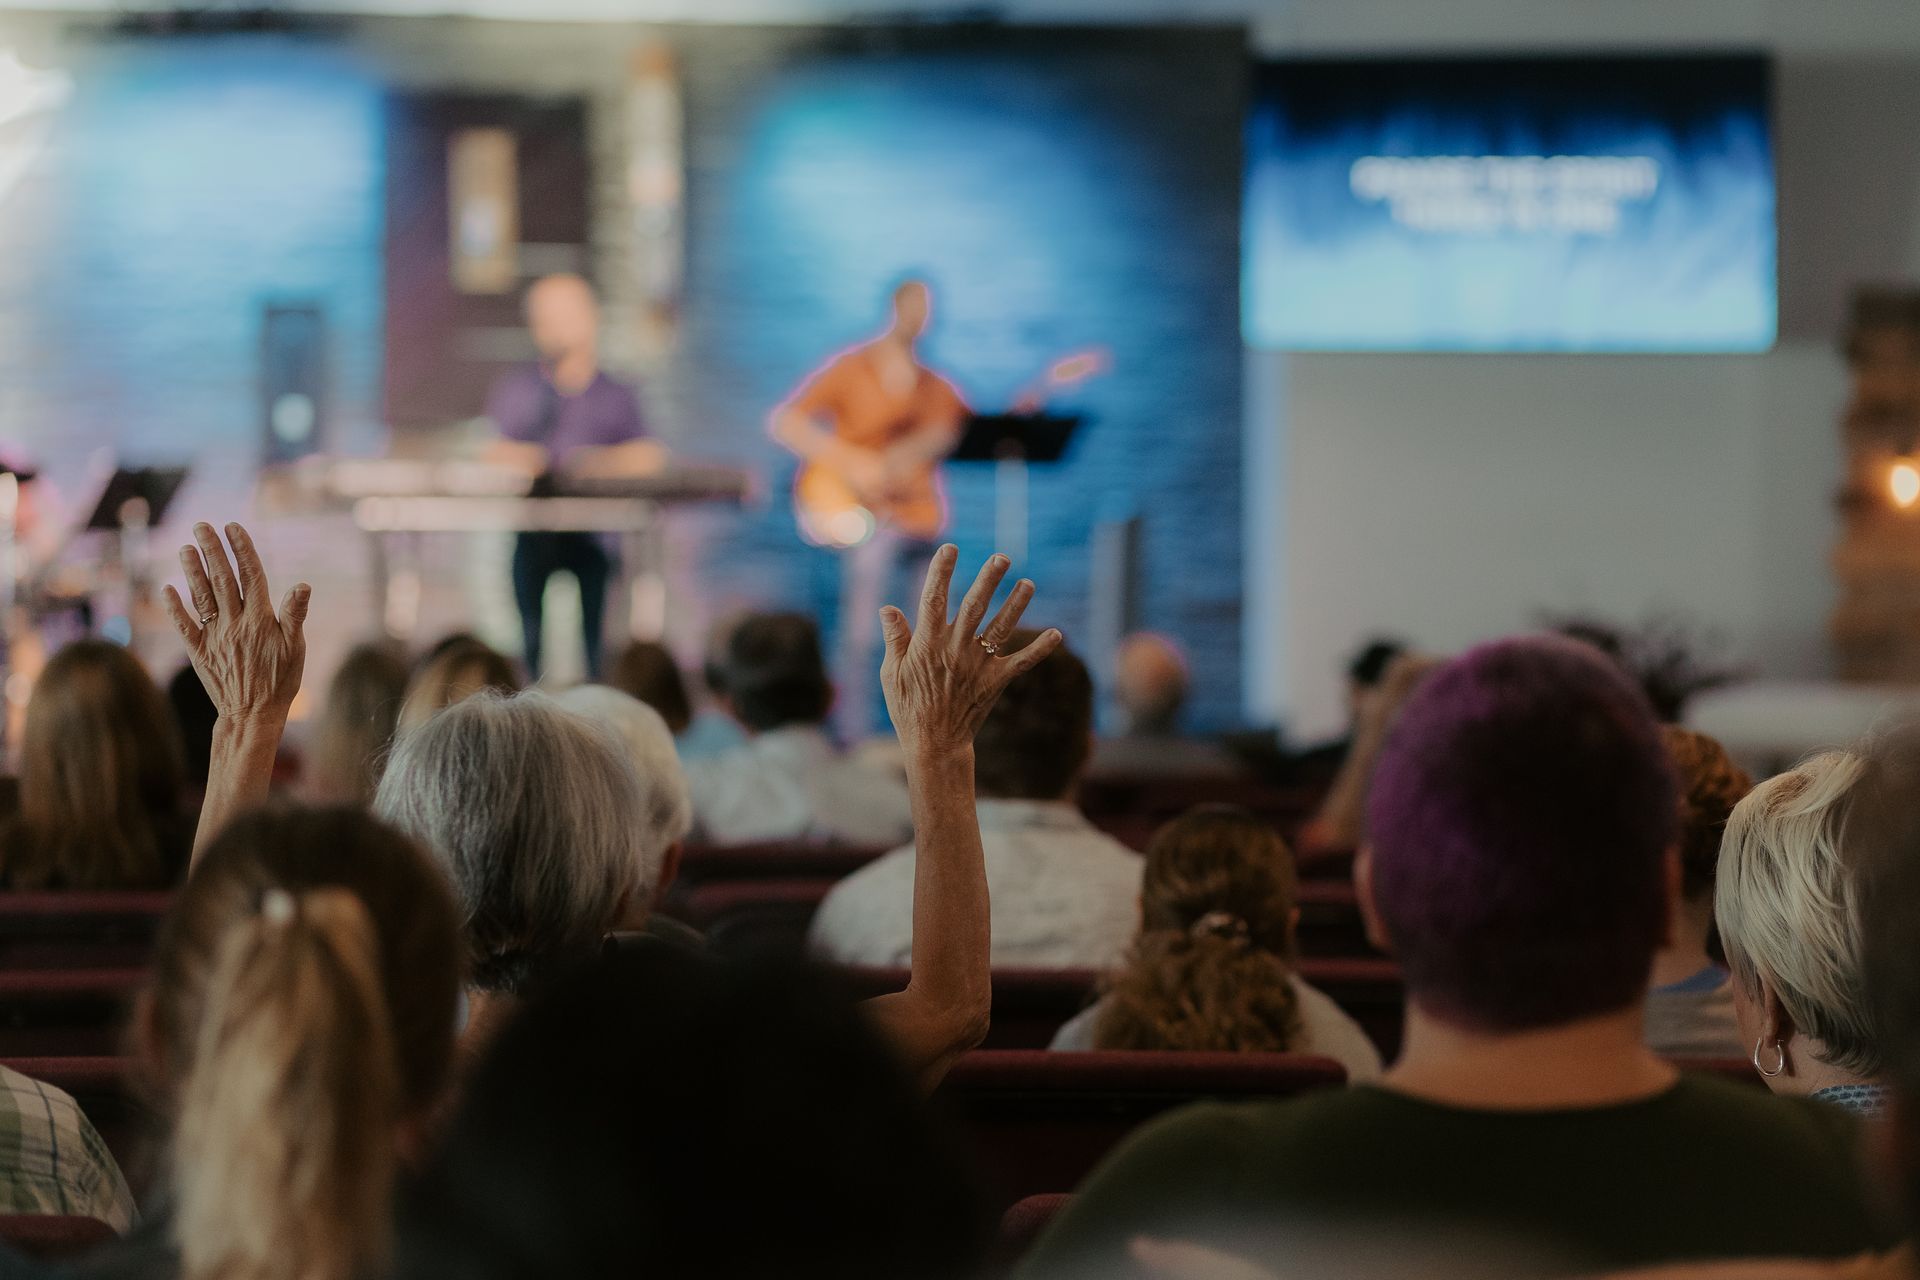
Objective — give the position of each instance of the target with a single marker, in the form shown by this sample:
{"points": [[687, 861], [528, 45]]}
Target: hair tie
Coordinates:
{"points": [[1221, 924], [278, 908]]}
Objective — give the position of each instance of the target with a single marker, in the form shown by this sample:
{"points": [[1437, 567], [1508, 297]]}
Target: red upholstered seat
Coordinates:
{"points": [[78, 930], [774, 860], [52, 1237], [754, 917], [1029, 1005], [1040, 1122], [65, 1012], [1369, 989], [1330, 921]]}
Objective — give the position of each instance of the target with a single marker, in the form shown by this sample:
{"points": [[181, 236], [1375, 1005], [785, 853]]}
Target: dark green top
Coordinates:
{"points": [[1706, 1169]]}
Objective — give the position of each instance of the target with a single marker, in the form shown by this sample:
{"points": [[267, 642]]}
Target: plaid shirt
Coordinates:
{"points": [[52, 1161]]}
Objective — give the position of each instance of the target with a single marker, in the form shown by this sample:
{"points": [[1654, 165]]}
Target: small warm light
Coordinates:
{"points": [[1904, 483]]}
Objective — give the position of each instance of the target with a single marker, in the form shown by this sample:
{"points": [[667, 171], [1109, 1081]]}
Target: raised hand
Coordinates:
{"points": [[941, 678], [249, 658]]}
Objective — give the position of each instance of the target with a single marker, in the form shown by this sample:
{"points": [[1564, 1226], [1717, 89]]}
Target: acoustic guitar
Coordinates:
{"points": [[832, 512]]}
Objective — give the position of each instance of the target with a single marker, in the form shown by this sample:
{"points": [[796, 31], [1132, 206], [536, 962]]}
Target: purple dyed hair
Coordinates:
{"points": [[1520, 818]]}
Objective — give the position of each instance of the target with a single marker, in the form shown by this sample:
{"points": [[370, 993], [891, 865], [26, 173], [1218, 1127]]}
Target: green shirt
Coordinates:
{"points": [[1706, 1169]]}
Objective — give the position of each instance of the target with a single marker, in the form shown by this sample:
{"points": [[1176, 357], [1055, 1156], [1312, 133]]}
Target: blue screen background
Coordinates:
{"points": [[1690, 269]]}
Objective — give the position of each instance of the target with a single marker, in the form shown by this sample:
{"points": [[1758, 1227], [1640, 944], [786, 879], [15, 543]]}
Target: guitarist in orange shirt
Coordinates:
{"points": [[871, 429]]}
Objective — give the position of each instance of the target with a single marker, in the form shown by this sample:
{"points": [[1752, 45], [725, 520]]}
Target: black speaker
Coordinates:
{"points": [[293, 378]]}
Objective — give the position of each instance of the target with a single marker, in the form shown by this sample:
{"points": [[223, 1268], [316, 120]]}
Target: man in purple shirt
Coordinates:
{"points": [[565, 413]]}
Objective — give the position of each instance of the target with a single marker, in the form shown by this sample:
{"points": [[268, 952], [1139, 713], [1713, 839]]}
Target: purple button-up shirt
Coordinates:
{"points": [[525, 406]]}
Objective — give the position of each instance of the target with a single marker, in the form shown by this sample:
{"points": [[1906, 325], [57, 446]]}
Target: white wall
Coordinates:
{"points": [[1451, 498]]}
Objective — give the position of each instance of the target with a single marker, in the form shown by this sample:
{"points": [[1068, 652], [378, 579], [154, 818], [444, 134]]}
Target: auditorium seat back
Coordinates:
{"points": [[78, 930], [1331, 925], [52, 1237], [1040, 1122], [773, 860], [65, 1012], [764, 918], [1029, 1005], [1369, 989]]}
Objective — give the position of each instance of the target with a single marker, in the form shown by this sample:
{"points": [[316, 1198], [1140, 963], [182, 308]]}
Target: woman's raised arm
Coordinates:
{"points": [[941, 679], [249, 658]]}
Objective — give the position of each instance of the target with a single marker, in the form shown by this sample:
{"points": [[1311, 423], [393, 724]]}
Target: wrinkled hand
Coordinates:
{"points": [[940, 679], [249, 658]]}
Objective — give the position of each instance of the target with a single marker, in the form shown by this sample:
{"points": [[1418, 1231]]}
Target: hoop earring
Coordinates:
{"points": [[1778, 1066]]}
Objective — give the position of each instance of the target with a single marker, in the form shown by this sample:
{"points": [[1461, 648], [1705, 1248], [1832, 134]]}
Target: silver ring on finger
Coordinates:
{"points": [[205, 618], [993, 650]]}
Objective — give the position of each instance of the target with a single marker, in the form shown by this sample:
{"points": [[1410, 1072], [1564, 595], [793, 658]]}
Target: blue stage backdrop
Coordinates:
{"points": [[1512, 204], [1060, 189]]}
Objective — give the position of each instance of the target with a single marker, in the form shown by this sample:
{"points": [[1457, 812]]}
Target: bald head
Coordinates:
{"points": [[912, 309], [564, 316], [1150, 682]]}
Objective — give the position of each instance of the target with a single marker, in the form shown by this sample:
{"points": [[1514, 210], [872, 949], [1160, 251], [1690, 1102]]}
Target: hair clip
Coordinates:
{"points": [[277, 907], [1220, 924]]}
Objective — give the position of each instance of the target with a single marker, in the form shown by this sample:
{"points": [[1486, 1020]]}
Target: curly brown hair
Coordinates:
{"points": [[1213, 965], [1711, 784]]}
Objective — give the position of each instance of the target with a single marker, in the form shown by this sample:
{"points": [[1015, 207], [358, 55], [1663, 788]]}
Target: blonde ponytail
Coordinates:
{"points": [[284, 1151]]}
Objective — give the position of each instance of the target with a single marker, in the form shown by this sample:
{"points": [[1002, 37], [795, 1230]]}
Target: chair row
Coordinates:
{"points": [[83, 1011], [754, 897]]}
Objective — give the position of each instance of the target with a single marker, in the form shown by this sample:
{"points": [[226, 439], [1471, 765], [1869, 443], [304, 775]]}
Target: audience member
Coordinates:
{"points": [[357, 724], [1318, 765], [713, 732], [462, 668], [658, 1114], [101, 798], [646, 670], [1788, 903], [297, 1029], [1690, 1010], [51, 1158], [536, 819], [1883, 828], [1064, 893], [666, 810], [1340, 824], [1150, 687], [789, 781], [1520, 858], [1212, 968], [194, 714]]}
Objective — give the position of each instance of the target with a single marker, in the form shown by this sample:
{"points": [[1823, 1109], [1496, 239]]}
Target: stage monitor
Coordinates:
{"points": [[1617, 203]]}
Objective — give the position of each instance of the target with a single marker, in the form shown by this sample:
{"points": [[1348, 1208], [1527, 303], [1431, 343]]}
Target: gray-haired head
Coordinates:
{"points": [[533, 812], [666, 806]]}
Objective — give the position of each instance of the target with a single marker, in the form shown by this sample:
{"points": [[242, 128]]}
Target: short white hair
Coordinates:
{"points": [[1788, 904], [533, 813], [648, 746]]}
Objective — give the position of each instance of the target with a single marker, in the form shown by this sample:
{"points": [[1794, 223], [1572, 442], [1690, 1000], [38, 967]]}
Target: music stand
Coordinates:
{"points": [[135, 497], [1012, 442], [134, 500]]}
